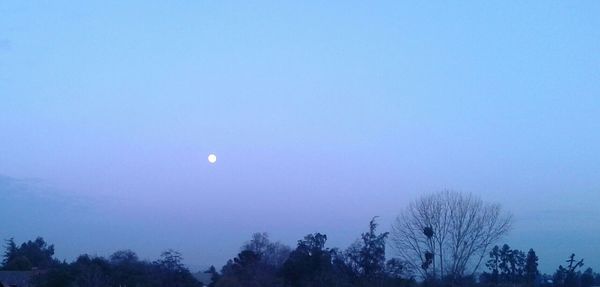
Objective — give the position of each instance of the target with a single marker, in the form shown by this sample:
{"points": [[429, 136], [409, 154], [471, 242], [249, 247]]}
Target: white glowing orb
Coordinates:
{"points": [[212, 158]]}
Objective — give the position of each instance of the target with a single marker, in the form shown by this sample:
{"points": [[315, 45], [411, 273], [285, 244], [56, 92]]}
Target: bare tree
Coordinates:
{"points": [[447, 234], [271, 253], [259, 243]]}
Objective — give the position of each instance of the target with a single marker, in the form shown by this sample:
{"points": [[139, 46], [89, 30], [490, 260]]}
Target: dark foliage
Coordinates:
{"points": [[313, 264], [122, 269], [262, 263], [36, 254]]}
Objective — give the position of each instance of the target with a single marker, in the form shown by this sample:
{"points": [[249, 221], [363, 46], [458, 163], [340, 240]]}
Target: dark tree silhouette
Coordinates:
{"points": [[271, 253], [30, 254], [248, 270], [366, 256], [171, 271], [587, 278], [531, 268], [568, 276], [310, 264], [214, 276], [493, 264]]}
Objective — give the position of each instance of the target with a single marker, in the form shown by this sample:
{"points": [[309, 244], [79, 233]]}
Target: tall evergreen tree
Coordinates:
{"points": [[10, 253], [531, 267], [494, 265], [372, 253]]}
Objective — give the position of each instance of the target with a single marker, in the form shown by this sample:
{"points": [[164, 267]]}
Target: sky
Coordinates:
{"points": [[323, 114]]}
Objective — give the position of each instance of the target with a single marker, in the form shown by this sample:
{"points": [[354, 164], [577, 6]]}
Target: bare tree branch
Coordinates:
{"points": [[463, 226]]}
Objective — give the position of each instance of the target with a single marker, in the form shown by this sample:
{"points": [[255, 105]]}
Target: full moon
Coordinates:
{"points": [[212, 158]]}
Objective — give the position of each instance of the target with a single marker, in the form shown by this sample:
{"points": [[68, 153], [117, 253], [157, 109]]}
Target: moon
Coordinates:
{"points": [[212, 158]]}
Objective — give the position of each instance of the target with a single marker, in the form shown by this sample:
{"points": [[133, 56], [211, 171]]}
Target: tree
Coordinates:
{"points": [[587, 278], [571, 276], [214, 276], [372, 253], [271, 253], [243, 268], [171, 260], [30, 254], [247, 270], [310, 264], [507, 266], [258, 264], [559, 276], [493, 264], [259, 244], [568, 276], [91, 271], [367, 256], [59, 276], [123, 257], [19, 263], [531, 267], [172, 272], [512, 265], [122, 269], [10, 253], [394, 268], [456, 228], [128, 270]]}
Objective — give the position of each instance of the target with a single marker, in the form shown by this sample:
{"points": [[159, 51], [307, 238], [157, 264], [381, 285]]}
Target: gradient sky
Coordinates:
{"points": [[323, 114]]}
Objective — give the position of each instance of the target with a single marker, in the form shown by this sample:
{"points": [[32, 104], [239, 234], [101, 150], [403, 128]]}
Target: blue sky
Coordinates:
{"points": [[322, 114]]}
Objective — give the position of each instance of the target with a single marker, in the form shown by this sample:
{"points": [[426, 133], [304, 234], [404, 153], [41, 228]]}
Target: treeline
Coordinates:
{"points": [[263, 263], [364, 264], [122, 269], [513, 267], [443, 239], [259, 263]]}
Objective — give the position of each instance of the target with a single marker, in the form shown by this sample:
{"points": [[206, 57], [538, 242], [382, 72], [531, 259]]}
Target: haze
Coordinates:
{"points": [[322, 115]]}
